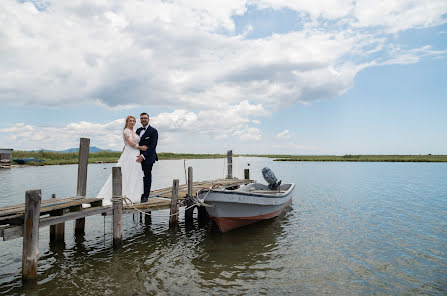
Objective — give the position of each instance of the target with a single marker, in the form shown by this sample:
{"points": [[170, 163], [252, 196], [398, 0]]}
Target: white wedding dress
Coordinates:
{"points": [[131, 171]]}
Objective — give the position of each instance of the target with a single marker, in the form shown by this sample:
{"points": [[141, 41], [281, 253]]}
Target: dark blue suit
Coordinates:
{"points": [[149, 139]]}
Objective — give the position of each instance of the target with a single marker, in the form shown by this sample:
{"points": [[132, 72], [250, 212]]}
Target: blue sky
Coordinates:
{"points": [[345, 77]]}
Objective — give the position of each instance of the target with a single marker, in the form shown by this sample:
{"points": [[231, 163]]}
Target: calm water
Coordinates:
{"points": [[353, 228]]}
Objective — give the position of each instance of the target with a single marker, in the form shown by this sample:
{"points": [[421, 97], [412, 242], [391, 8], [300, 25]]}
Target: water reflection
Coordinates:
{"points": [[353, 228], [233, 259]]}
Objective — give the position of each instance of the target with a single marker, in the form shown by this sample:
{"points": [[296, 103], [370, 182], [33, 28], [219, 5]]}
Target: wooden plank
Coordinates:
{"points": [[30, 252], [55, 205], [2, 227], [47, 221], [12, 219], [12, 232], [117, 206], [173, 219], [153, 208], [4, 211]]}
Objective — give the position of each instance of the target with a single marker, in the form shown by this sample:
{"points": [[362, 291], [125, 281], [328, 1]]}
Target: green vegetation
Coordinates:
{"points": [[56, 158], [368, 158]]}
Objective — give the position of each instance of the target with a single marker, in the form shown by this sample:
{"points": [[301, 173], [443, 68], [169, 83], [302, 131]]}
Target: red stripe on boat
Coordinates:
{"points": [[228, 223]]}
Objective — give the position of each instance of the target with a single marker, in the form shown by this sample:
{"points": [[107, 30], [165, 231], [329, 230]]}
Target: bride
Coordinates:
{"points": [[131, 171]]}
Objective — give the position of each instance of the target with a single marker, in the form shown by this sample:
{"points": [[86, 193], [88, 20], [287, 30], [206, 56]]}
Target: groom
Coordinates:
{"points": [[148, 137]]}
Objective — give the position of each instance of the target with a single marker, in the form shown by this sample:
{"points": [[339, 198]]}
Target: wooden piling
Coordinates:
{"points": [[117, 191], [173, 220], [230, 164], [30, 253], [247, 174], [148, 218], [189, 202], [202, 215], [57, 232], [84, 147]]}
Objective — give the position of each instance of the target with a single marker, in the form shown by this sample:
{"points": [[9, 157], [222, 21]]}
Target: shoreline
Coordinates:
{"points": [[56, 158]]}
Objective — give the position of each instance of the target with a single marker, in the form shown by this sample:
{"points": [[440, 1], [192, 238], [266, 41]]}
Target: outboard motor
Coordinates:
{"points": [[269, 176]]}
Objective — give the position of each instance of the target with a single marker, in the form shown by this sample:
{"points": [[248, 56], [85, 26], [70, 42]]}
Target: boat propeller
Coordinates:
{"points": [[269, 176]]}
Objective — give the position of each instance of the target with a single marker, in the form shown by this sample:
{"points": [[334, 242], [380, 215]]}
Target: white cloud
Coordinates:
{"points": [[23, 136], [249, 134], [284, 135], [173, 127], [392, 16], [185, 57], [185, 53]]}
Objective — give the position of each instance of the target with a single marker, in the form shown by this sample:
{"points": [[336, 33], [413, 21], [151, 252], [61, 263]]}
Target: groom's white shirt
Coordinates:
{"points": [[141, 135]]}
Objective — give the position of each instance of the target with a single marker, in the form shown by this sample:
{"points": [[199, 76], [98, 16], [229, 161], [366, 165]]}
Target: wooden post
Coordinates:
{"points": [[117, 191], [57, 232], [53, 227], [202, 214], [247, 174], [84, 147], [30, 253], [147, 218], [230, 164], [173, 220], [189, 202]]}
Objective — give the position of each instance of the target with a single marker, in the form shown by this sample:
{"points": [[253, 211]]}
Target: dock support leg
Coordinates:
{"points": [[189, 201], [84, 146], [202, 214], [247, 174], [148, 218], [30, 253], [117, 207], [230, 164], [57, 232], [173, 220]]}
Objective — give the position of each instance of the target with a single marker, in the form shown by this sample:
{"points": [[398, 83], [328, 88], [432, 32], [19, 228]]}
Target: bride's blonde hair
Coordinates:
{"points": [[127, 121]]}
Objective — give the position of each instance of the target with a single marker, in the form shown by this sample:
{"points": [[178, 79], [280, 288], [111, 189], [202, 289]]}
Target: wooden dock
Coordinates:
{"points": [[24, 220], [59, 210]]}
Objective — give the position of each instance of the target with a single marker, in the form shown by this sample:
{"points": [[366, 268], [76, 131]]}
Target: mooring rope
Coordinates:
{"points": [[199, 202]]}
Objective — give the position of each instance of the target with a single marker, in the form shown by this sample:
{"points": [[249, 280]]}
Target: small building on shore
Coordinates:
{"points": [[5, 156]]}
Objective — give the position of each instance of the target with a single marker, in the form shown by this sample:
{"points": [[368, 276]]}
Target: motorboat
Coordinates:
{"points": [[233, 208]]}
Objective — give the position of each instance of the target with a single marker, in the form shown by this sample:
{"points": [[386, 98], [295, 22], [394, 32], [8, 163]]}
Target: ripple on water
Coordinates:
{"points": [[353, 228]]}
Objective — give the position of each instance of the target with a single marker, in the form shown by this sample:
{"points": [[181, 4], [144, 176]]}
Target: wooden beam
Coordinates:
{"points": [[30, 254], [12, 232], [230, 164], [247, 174], [173, 220], [189, 202], [84, 146], [57, 232], [117, 191]]}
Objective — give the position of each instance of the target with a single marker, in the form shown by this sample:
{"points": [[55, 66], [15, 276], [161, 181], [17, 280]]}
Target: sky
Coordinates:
{"points": [[258, 77]]}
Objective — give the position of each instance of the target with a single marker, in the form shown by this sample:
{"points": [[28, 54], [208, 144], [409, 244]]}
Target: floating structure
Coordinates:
{"points": [[5, 156], [26, 160], [24, 220]]}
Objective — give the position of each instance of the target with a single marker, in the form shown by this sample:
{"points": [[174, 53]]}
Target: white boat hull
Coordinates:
{"points": [[236, 208]]}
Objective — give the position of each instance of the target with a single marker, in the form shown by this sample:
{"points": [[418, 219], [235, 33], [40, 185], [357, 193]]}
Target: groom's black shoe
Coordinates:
{"points": [[144, 199]]}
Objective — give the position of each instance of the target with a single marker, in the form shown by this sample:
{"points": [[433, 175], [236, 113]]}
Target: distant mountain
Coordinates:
{"points": [[70, 150]]}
